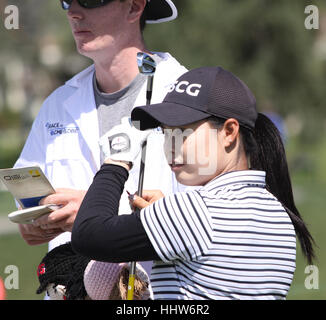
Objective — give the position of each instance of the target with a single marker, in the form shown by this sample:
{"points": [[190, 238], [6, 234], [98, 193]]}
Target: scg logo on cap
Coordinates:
{"points": [[191, 89]]}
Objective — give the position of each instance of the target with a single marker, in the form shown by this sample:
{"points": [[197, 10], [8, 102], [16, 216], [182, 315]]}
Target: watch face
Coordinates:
{"points": [[119, 142]]}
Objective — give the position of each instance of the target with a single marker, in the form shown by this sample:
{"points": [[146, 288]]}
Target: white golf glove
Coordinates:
{"points": [[123, 142]]}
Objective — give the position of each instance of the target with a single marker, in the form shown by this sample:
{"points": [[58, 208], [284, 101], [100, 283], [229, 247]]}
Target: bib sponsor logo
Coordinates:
{"points": [[56, 128]]}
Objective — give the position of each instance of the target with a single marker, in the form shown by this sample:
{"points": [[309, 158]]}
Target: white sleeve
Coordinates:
{"points": [[34, 149], [178, 226]]}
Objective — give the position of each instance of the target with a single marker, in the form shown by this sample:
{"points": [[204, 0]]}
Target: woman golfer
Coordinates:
{"points": [[233, 237]]}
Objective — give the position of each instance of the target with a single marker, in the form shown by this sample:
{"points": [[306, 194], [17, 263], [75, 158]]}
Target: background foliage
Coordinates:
{"points": [[264, 42]]}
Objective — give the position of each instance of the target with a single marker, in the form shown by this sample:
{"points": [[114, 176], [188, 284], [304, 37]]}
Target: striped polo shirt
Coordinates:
{"points": [[230, 239]]}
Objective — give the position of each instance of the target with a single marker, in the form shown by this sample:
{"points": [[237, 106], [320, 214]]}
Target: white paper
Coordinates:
{"points": [[27, 185]]}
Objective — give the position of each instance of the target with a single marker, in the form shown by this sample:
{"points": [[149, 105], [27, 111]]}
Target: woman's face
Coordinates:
{"points": [[193, 152]]}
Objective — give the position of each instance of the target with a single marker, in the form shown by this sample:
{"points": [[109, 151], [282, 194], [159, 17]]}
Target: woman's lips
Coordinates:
{"points": [[176, 167]]}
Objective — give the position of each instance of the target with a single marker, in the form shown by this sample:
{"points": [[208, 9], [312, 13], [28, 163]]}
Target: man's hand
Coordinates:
{"points": [[36, 236], [69, 201]]}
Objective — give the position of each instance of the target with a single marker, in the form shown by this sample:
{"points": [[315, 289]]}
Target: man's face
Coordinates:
{"points": [[100, 29]]}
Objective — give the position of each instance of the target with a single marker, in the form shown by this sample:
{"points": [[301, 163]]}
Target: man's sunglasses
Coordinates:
{"points": [[88, 4]]}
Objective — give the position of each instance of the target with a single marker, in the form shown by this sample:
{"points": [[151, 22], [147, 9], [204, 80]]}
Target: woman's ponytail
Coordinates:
{"points": [[266, 152]]}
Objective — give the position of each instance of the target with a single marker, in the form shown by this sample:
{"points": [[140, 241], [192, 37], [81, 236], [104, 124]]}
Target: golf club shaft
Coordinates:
{"points": [[132, 273], [149, 90]]}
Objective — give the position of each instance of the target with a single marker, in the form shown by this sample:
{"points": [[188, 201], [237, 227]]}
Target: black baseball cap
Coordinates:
{"points": [[160, 11], [197, 95]]}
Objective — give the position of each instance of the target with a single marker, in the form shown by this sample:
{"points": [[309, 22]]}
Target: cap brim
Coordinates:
{"points": [[166, 114], [160, 11]]}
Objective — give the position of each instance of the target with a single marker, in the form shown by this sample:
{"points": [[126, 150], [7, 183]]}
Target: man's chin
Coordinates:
{"points": [[85, 50]]}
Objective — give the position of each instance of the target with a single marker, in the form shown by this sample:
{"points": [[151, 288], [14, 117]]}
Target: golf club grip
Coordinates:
{"points": [[131, 281], [149, 90]]}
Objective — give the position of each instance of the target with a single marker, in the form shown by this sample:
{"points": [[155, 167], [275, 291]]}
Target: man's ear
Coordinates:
{"points": [[136, 9], [231, 128]]}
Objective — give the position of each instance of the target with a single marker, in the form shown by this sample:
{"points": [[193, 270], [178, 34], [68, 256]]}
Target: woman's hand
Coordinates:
{"points": [[123, 143], [148, 197]]}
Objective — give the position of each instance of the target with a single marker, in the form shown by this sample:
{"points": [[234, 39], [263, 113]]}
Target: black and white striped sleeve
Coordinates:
{"points": [[178, 226]]}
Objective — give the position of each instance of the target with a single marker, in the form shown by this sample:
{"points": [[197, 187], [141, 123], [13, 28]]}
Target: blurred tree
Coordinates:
{"points": [[264, 42]]}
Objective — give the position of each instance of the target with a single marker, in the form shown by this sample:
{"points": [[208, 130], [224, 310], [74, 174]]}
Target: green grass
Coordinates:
{"points": [[311, 204], [7, 203], [14, 251], [309, 185]]}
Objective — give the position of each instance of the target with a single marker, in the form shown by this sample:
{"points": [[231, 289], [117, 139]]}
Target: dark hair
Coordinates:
{"points": [[142, 20], [265, 151]]}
